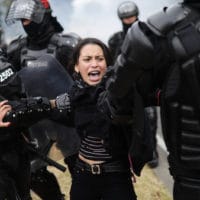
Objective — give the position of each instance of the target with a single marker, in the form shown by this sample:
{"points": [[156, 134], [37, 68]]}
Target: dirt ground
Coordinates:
{"points": [[147, 187]]}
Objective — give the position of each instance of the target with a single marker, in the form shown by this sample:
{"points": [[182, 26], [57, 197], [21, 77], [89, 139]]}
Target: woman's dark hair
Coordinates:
{"points": [[82, 43]]}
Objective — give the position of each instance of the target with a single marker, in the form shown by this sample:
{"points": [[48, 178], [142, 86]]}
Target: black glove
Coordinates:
{"points": [[26, 112], [63, 102]]}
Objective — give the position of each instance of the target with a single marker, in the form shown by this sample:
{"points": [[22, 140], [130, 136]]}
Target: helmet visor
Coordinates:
{"points": [[25, 9]]}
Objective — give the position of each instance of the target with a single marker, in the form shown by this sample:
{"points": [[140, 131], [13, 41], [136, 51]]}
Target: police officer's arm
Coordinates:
{"points": [[62, 109], [114, 44], [137, 58], [133, 67], [28, 111], [14, 52]]}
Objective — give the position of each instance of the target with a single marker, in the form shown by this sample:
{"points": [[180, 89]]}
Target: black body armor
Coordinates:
{"points": [[59, 45], [180, 101], [43, 134], [14, 165], [164, 54]]}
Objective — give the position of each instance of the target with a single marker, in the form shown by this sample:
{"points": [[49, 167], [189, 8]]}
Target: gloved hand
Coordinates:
{"points": [[119, 110], [28, 111], [63, 102]]}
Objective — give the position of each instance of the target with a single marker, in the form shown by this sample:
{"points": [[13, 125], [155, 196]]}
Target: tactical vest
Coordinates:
{"points": [[181, 92], [29, 57]]}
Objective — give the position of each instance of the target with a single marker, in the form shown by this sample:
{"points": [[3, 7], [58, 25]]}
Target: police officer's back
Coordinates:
{"points": [[128, 13]]}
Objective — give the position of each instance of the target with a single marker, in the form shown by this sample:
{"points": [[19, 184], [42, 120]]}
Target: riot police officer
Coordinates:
{"points": [[128, 14], [162, 56], [14, 159], [43, 38]]}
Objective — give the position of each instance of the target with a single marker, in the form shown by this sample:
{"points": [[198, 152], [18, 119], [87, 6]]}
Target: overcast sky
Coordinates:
{"points": [[94, 18], [98, 18]]}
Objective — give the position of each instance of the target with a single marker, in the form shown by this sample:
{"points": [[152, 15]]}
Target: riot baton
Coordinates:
{"points": [[45, 158]]}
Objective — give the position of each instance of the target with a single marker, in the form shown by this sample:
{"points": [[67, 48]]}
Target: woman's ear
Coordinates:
{"points": [[76, 69]]}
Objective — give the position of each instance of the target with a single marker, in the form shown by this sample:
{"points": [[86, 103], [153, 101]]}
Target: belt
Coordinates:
{"points": [[116, 166]]}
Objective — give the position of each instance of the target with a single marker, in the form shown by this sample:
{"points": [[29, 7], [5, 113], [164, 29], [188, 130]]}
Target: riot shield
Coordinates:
{"points": [[46, 77]]}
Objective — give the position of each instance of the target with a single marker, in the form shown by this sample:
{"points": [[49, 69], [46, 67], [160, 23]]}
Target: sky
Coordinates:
{"points": [[99, 18], [93, 18]]}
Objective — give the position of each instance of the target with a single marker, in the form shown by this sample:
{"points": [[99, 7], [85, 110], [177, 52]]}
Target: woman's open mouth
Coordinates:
{"points": [[94, 76]]}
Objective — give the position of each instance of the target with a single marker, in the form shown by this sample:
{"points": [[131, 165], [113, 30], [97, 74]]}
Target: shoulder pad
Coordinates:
{"points": [[162, 22], [16, 44], [116, 37], [65, 40], [137, 47], [6, 72]]}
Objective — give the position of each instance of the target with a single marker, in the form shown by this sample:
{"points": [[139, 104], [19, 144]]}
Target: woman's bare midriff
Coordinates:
{"points": [[90, 162]]}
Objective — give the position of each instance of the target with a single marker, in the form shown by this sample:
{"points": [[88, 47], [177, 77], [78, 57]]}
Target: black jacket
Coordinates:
{"points": [[122, 139]]}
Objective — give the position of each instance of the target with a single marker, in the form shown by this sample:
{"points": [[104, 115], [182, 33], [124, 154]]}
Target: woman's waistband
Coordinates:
{"points": [[106, 167]]}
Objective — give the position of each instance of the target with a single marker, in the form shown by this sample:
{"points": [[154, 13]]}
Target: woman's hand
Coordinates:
{"points": [[4, 108]]}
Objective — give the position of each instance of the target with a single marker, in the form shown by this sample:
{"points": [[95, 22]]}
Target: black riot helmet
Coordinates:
{"points": [[33, 10], [39, 13], [127, 9]]}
